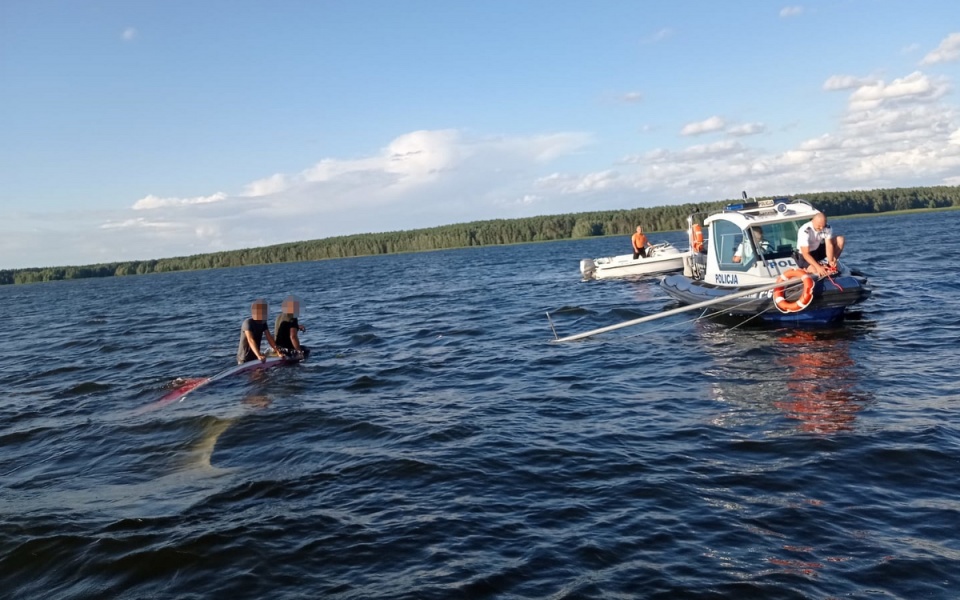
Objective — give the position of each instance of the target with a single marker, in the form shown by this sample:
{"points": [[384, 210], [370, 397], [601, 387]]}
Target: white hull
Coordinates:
{"points": [[664, 259]]}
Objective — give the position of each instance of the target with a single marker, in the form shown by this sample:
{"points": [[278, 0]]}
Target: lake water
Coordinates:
{"points": [[437, 445]]}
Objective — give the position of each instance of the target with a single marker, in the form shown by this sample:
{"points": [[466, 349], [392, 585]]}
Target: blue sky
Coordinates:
{"points": [[134, 130]]}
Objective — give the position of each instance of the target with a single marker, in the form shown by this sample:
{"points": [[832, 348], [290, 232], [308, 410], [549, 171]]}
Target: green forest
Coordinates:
{"points": [[490, 233]]}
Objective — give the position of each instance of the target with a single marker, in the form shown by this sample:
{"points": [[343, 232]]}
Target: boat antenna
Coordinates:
{"points": [[744, 192]]}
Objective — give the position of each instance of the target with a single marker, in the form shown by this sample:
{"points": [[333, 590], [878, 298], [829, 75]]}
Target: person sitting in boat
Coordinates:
{"points": [[744, 252], [287, 329], [816, 243], [251, 334], [640, 244]]}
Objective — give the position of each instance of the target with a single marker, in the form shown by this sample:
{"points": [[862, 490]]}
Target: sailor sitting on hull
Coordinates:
{"points": [[252, 331], [287, 330]]}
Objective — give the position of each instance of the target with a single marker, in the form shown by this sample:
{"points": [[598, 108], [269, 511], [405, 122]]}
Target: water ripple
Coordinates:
{"points": [[437, 445]]}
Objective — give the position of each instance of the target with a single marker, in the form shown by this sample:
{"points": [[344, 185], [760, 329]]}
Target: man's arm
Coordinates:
{"points": [[272, 342], [252, 344], [812, 262]]}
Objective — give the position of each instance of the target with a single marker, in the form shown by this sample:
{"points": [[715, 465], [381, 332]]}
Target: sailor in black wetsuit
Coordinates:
{"points": [[287, 329], [251, 334]]}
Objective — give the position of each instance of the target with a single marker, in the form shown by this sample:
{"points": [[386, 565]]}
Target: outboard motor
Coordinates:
{"points": [[587, 268]]}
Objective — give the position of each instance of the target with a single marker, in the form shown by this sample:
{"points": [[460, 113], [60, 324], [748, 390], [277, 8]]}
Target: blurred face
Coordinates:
{"points": [[259, 311], [639, 229], [292, 307]]}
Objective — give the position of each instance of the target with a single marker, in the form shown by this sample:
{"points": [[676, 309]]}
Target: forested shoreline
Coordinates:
{"points": [[489, 233]]}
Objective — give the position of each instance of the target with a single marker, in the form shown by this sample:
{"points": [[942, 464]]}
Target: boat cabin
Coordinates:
{"points": [[749, 243]]}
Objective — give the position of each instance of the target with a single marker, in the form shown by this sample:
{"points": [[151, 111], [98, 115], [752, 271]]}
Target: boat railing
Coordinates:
{"points": [[698, 265]]}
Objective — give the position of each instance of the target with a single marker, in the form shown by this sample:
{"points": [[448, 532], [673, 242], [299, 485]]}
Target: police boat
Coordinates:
{"points": [[753, 245]]}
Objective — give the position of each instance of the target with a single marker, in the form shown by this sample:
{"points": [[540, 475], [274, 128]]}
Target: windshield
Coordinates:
{"points": [[739, 249], [782, 237]]}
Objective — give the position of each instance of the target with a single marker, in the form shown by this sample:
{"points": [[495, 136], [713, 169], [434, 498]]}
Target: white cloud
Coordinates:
{"points": [[746, 129], [722, 148], [706, 126], [910, 48], [140, 223], [420, 179], [955, 138], [269, 185], [591, 182], [914, 87], [631, 97], [947, 51], [129, 34], [151, 202], [845, 82], [791, 11], [892, 134], [528, 199], [824, 142], [897, 132]]}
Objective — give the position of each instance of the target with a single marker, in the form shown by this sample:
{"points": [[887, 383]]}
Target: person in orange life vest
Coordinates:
{"points": [[640, 244]]}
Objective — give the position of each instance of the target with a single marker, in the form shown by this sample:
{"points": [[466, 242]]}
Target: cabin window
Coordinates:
{"points": [[782, 238], [726, 238]]}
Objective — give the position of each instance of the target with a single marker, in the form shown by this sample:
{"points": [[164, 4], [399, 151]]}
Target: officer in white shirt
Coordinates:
{"points": [[816, 242]]}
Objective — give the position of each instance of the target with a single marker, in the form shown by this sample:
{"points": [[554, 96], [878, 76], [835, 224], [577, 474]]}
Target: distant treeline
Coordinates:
{"points": [[488, 233]]}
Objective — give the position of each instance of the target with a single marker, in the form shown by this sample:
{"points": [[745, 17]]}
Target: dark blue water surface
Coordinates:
{"points": [[437, 445]]}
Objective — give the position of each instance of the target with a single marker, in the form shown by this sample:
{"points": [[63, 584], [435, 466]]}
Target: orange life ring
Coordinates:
{"points": [[696, 238], [806, 297]]}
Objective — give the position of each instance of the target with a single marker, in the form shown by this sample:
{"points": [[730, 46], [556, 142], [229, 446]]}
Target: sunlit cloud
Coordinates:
{"points": [[269, 185], [420, 158], [422, 178], [888, 132], [893, 133], [139, 223], [706, 126], [845, 82], [129, 34], [914, 87], [947, 51], [631, 97], [150, 202], [745, 129]]}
